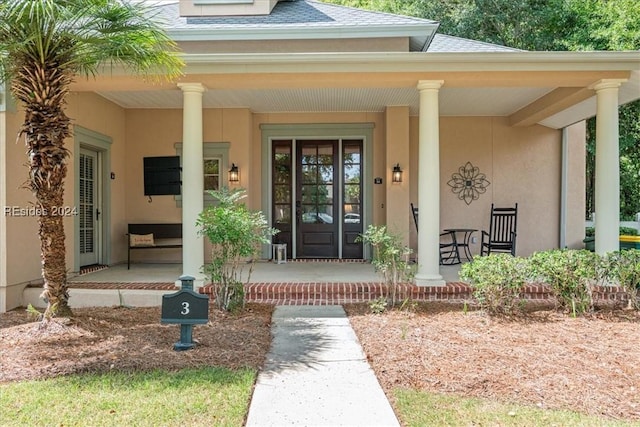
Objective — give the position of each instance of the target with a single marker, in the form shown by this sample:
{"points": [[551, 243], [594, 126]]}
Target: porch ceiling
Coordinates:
{"points": [[453, 101], [550, 88]]}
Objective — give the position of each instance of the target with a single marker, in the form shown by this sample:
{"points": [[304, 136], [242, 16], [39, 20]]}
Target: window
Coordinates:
{"points": [[211, 173], [215, 167]]}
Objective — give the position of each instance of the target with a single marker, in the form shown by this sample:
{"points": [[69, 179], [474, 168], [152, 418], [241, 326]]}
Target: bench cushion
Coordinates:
{"points": [[141, 240]]}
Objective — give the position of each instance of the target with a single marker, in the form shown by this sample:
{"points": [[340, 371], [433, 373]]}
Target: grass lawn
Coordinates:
{"points": [[190, 397], [416, 408]]}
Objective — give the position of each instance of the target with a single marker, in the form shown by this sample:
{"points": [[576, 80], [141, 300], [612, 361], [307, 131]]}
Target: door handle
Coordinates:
{"points": [[97, 214]]}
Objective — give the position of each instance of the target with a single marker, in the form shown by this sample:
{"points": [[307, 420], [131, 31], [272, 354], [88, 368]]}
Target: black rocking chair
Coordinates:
{"points": [[449, 254], [502, 231]]}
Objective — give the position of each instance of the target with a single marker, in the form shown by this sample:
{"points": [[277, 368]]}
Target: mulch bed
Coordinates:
{"points": [[589, 364], [545, 358], [123, 339]]}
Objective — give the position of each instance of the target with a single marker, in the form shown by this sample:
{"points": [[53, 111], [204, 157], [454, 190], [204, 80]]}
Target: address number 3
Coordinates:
{"points": [[185, 308]]}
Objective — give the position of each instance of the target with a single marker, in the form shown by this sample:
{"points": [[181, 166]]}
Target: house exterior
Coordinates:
{"points": [[315, 104]]}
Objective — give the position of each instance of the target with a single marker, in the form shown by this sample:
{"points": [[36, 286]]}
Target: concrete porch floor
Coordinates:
{"points": [[263, 272]]}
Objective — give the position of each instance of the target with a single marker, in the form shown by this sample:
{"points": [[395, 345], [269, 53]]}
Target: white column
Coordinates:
{"points": [[192, 180], [428, 273], [607, 185]]}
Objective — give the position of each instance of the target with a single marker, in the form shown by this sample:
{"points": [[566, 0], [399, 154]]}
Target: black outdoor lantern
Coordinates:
{"points": [[396, 175], [234, 174]]}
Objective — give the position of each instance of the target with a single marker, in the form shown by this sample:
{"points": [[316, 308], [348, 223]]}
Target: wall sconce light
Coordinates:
{"points": [[234, 174], [396, 175]]}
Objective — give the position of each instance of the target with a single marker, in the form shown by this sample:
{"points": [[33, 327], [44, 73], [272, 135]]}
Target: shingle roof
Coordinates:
{"points": [[312, 15], [297, 13], [445, 43]]}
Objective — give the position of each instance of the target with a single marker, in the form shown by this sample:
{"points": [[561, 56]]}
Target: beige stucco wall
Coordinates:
{"points": [[374, 44], [105, 118], [155, 133], [576, 185], [23, 247], [397, 143], [22, 244], [522, 164]]}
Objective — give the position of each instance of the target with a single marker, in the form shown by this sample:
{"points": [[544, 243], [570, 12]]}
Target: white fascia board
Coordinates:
{"points": [[416, 61], [302, 33]]}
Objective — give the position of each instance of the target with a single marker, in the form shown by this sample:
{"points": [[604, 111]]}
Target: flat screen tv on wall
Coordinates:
{"points": [[162, 176]]}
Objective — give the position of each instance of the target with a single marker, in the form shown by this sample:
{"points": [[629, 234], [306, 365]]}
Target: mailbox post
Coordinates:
{"points": [[186, 308]]}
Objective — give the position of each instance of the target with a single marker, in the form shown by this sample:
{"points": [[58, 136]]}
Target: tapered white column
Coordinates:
{"points": [[192, 180], [428, 273], [607, 185]]}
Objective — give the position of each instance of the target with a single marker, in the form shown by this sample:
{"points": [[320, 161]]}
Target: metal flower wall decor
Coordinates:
{"points": [[468, 183]]}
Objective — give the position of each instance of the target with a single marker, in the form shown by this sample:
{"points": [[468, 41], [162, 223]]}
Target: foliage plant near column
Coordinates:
{"points": [[390, 258], [623, 267], [237, 235], [571, 274], [498, 280], [44, 44]]}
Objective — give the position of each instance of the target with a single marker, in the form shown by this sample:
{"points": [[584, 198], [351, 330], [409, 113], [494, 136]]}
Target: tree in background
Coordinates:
{"points": [[44, 44], [577, 25], [611, 25]]}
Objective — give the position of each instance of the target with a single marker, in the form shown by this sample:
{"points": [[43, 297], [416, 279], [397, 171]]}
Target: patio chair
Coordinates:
{"points": [[449, 254], [501, 236]]}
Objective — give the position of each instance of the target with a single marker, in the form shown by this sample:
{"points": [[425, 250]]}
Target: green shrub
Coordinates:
{"points": [[571, 274], [378, 305], [628, 231], [237, 235], [390, 258], [623, 267], [623, 231], [498, 280]]}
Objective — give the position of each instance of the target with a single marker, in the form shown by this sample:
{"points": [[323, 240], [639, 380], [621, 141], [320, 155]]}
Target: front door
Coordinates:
{"points": [[89, 208], [316, 197], [316, 194]]}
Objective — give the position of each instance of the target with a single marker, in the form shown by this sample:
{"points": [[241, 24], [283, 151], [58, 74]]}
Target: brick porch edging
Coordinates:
{"points": [[326, 293], [316, 293]]}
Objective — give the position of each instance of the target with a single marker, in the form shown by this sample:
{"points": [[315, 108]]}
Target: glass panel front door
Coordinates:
{"points": [[316, 195], [316, 209]]}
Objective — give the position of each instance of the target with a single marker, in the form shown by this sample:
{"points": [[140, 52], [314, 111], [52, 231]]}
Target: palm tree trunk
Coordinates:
{"points": [[45, 128]]}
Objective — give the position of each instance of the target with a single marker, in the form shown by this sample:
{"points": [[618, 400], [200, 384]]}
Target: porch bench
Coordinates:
{"points": [[153, 236]]}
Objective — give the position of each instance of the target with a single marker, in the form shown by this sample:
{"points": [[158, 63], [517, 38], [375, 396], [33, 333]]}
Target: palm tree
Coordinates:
{"points": [[44, 46]]}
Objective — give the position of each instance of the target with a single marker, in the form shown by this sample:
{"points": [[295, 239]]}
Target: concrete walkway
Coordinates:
{"points": [[316, 374]]}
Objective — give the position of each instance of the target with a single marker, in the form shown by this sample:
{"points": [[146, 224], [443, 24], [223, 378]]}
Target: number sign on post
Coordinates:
{"points": [[186, 308]]}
